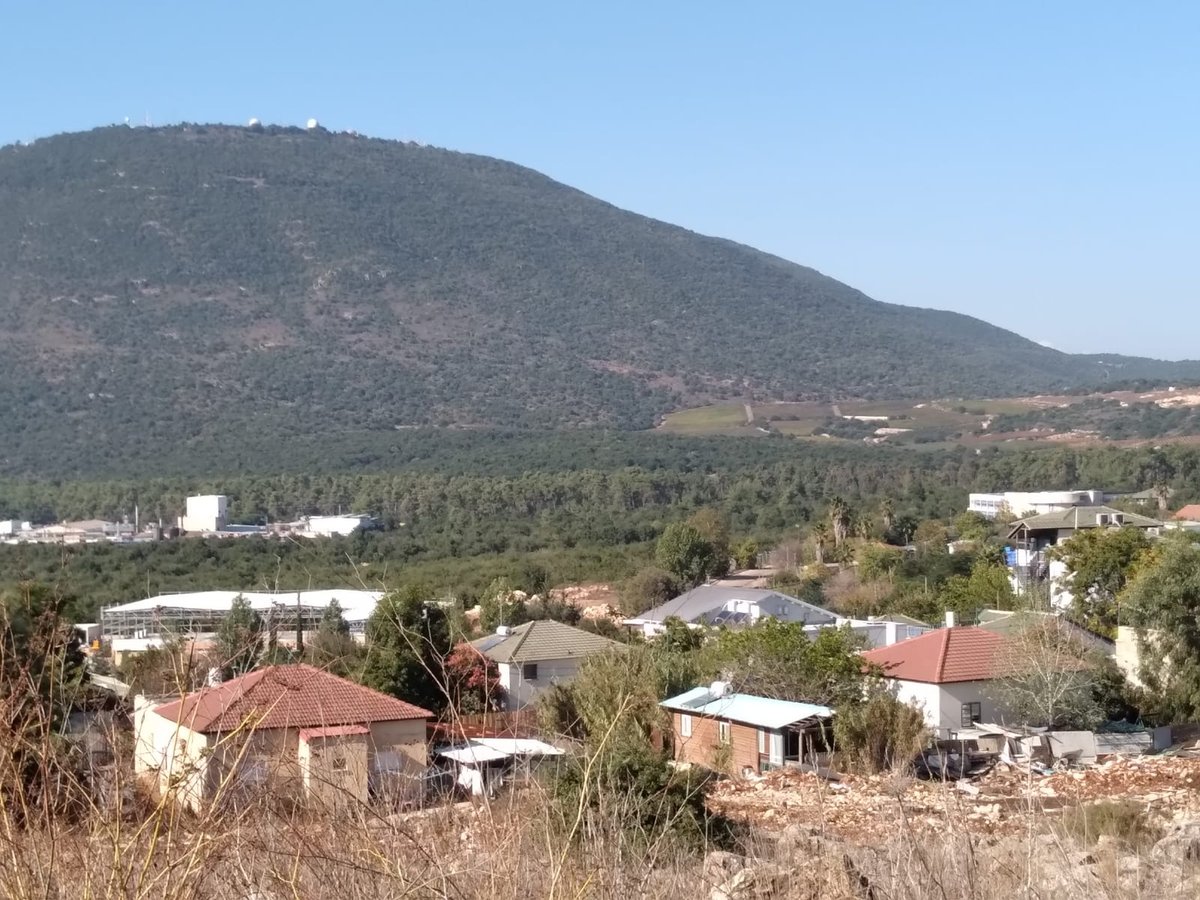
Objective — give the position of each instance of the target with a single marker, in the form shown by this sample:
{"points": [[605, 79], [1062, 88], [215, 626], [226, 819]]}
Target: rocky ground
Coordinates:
{"points": [[1001, 802]]}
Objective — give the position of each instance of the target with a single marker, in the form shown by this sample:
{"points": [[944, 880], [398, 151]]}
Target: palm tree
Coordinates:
{"points": [[887, 511], [839, 519], [820, 536], [864, 527]]}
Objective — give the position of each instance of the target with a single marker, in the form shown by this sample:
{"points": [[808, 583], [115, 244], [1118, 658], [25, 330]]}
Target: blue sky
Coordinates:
{"points": [[1036, 165]]}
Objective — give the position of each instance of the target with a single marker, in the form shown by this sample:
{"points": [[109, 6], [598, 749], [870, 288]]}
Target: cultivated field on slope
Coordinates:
{"points": [[1118, 417]]}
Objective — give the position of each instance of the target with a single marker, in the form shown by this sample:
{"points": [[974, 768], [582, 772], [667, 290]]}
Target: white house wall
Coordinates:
{"points": [[925, 697], [170, 755], [522, 693], [942, 703], [1060, 592]]}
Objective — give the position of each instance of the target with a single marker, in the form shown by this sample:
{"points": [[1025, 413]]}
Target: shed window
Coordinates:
{"points": [[971, 713], [685, 726], [529, 671], [723, 732]]}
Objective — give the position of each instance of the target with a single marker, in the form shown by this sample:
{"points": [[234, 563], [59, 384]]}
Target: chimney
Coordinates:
{"points": [[951, 618]]}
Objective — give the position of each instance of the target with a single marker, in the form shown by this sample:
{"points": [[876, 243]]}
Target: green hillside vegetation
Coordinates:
{"points": [[1108, 419], [201, 292], [459, 532]]}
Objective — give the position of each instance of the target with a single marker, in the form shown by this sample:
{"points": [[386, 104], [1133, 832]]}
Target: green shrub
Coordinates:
{"points": [[1124, 820], [637, 794], [879, 733]]}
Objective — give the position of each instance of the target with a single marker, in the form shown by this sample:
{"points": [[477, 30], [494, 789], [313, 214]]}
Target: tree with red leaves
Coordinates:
{"points": [[473, 681]]}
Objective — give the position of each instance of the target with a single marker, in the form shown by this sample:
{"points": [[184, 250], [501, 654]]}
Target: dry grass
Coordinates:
{"points": [[519, 846], [1126, 822], [512, 849], [66, 832]]}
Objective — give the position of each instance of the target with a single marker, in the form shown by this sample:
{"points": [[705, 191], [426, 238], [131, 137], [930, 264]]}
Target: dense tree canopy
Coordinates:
{"points": [[1099, 564], [1163, 601], [686, 554], [408, 640], [240, 639]]}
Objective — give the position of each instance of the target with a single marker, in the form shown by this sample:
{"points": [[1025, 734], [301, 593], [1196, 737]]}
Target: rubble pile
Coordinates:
{"points": [[1173, 780], [863, 809]]}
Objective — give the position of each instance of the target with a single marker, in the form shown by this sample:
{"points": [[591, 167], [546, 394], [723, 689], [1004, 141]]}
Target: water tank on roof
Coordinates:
{"points": [[719, 688]]}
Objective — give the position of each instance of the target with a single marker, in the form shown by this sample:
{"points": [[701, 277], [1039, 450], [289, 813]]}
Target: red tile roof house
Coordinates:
{"points": [[950, 674], [1189, 513], [295, 731]]}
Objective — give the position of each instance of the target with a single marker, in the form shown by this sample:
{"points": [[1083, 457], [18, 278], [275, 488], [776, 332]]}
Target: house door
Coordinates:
{"points": [[776, 749]]}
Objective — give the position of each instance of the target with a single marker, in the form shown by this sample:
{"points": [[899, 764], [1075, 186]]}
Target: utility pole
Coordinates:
{"points": [[299, 626]]}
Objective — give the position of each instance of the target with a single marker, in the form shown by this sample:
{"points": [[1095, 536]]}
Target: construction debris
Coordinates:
{"points": [[999, 802]]}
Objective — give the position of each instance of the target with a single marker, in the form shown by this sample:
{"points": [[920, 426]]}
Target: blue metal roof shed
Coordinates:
{"points": [[748, 709]]}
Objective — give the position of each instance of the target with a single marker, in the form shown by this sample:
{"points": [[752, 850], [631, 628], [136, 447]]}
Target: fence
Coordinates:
{"points": [[512, 724]]}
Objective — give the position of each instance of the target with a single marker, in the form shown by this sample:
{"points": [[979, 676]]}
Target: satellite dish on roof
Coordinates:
{"points": [[312, 124]]}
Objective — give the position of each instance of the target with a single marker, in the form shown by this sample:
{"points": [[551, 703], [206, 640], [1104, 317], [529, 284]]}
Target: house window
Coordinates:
{"points": [[971, 713], [685, 726], [529, 671], [339, 764], [723, 732], [762, 742]]}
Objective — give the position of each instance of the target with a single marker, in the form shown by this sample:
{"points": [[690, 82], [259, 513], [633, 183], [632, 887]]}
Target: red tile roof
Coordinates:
{"points": [[1190, 513], [944, 656], [296, 696]]}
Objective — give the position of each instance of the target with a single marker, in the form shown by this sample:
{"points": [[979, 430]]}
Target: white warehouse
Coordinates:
{"points": [[330, 526], [142, 624], [1033, 503]]}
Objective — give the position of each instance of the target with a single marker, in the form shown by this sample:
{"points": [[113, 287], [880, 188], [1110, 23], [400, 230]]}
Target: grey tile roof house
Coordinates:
{"points": [[533, 656], [541, 641], [1079, 518], [732, 606]]}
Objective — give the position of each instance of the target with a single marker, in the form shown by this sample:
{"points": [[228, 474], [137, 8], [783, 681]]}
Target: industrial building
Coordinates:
{"points": [[205, 514], [1023, 504], [137, 626], [1033, 503], [331, 526]]}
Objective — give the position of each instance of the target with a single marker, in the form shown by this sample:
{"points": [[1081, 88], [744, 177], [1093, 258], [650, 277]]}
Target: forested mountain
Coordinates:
{"points": [[198, 287]]}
